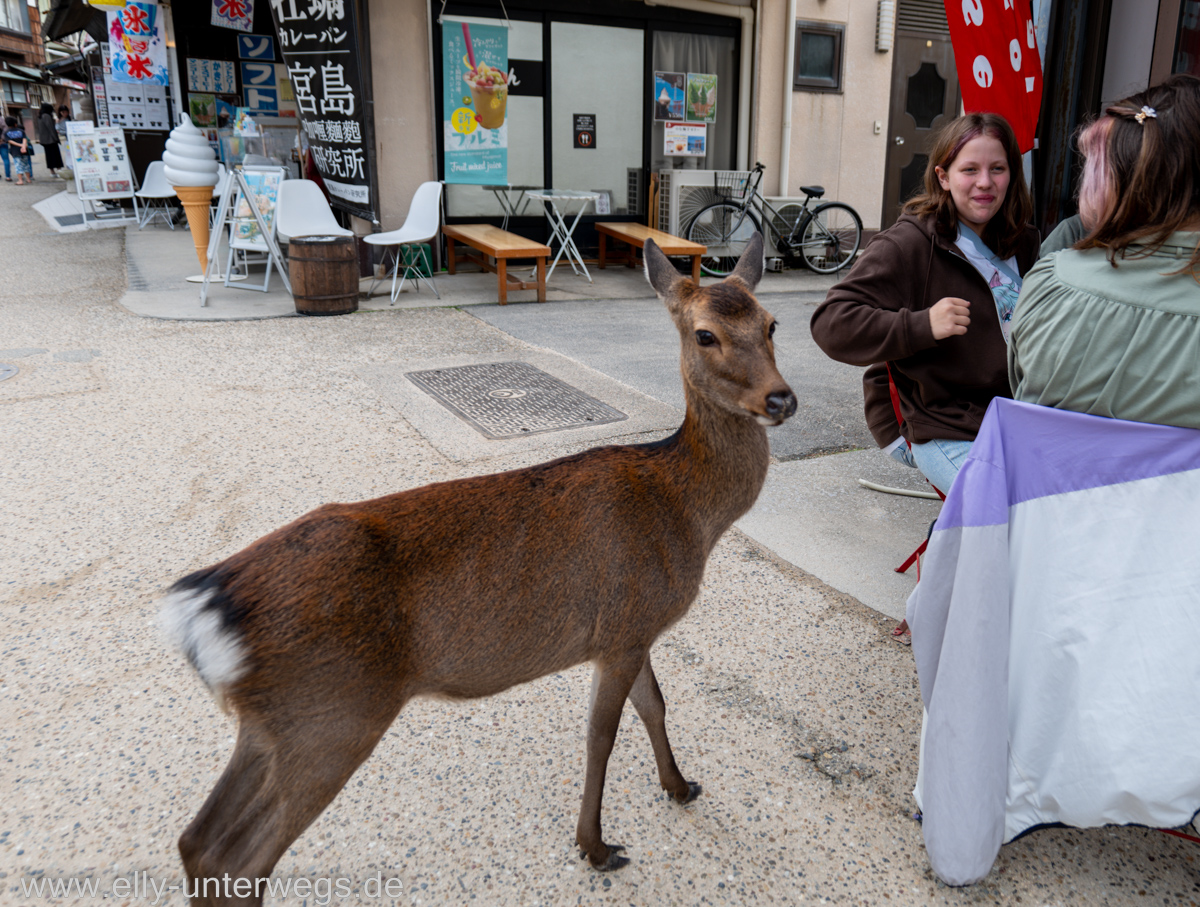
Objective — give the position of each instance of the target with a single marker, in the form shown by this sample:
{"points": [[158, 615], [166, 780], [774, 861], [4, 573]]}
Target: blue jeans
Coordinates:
{"points": [[4, 154], [940, 461]]}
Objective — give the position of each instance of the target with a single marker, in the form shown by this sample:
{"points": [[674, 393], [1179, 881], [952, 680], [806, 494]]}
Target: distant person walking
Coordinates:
{"points": [[47, 136], [17, 143], [4, 156]]}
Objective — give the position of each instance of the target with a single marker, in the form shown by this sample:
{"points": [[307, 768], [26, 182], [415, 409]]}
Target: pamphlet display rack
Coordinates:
{"points": [[261, 209]]}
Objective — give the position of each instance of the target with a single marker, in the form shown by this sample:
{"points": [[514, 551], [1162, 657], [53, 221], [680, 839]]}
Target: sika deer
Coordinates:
{"points": [[318, 634]]}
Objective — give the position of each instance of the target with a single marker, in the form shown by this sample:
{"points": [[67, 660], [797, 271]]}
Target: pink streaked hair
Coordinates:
{"points": [[1095, 187]]}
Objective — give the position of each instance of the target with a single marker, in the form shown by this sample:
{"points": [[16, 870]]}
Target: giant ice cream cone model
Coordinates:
{"points": [[191, 168]]}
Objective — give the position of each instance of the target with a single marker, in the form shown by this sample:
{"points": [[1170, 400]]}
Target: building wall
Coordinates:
{"points": [[833, 143], [402, 76]]}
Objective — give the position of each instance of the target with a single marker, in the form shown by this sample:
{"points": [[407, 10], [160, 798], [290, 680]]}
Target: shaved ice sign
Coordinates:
{"points": [[138, 48]]}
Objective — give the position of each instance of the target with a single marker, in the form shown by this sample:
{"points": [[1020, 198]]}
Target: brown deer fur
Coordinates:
{"points": [[318, 634]]}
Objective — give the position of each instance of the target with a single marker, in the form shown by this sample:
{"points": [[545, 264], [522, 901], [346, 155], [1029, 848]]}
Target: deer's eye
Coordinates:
{"points": [[771, 329], [705, 338]]}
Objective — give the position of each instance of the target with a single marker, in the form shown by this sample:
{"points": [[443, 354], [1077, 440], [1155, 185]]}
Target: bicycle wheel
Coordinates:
{"points": [[725, 228], [831, 238]]}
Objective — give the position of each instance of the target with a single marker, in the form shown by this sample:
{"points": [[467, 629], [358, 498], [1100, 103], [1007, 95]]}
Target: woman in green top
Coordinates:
{"points": [[1111, 326]]}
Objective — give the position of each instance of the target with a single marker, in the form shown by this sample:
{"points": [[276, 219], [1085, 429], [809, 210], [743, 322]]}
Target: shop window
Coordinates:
{"points": [[712, 55], [818, 64]]}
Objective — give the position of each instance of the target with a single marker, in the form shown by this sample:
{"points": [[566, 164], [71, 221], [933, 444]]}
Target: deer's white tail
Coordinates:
{"points": [[194, 618]]}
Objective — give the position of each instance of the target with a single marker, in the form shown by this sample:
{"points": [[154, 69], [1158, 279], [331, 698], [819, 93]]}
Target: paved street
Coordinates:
{"points": [[137, 449]]}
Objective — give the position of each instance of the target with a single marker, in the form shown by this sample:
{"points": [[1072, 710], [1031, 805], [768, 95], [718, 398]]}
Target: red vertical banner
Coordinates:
{"points": [[999, 70]]}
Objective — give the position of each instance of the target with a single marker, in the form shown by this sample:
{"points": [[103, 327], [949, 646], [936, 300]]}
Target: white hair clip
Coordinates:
{"points": [[1141, 115]]}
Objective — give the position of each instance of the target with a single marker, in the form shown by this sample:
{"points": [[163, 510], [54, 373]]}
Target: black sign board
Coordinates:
{"points": [[320, 47], [585, 130]]}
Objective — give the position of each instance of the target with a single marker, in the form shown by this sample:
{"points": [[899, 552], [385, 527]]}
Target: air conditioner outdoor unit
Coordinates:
{"points": [[682, 193]]}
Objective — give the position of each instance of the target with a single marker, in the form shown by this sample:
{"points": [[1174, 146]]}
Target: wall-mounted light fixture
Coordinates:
{"points": [[885, 25]]}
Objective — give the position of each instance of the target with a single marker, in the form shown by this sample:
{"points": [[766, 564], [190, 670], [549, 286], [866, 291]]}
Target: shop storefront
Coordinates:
{"points": [[585, 105]]}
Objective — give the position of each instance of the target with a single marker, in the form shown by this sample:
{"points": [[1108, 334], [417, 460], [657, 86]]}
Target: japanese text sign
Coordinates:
{"points": [[475, 103], [137, 45], [237, 14], [319, 41], [996, 54]]}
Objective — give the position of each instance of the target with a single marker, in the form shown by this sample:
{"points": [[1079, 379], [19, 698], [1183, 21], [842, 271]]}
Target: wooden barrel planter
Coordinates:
{"points": [[324, 274]]}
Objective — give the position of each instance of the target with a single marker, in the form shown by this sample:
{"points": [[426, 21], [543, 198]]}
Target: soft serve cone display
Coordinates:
{"points": [[190, 166]]}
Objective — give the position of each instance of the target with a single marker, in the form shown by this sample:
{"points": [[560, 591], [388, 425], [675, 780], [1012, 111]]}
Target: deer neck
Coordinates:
{"points": [[723, 459]]}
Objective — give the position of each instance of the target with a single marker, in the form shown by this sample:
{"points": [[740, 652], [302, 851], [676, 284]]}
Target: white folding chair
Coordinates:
{"points": [[421, 225], [303, 211], [154, 194]]}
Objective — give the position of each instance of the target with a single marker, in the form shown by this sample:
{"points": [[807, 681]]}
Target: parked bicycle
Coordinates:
{"points": [[826, 238]]}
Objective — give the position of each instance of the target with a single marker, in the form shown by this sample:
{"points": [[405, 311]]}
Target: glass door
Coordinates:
{"points": [[597, 76]]}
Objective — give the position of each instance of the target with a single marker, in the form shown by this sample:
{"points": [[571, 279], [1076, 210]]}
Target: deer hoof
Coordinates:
{"points": [[693, 792], [614, 860]]}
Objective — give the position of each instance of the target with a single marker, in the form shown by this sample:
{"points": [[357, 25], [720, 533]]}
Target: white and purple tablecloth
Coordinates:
{"points": [[1056, 630]]}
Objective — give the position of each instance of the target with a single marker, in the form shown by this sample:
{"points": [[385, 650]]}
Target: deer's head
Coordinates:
{"points": [[728, 353]]}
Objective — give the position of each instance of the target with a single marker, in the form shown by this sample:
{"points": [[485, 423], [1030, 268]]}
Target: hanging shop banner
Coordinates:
{"points": [[684, 139], [319, 41], [996, 54], [99, 161], [236, 14], [669, 95], [701, 98], [475, 80], [137, 44]]}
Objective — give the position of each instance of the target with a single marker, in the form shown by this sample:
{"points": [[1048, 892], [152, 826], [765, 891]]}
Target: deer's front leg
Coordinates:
{"points": [[647, 698], [610, 687]]}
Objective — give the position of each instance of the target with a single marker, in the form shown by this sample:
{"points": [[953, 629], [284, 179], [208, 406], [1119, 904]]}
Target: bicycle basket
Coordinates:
{"points": [[731, 184]]}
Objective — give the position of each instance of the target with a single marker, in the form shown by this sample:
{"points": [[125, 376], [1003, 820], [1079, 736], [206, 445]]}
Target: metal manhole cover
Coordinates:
{"points": [[6, 370], [512, 399]]}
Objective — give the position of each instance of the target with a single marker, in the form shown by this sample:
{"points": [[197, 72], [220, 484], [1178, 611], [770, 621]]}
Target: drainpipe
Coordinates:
{"points": [[746, 71], [785, 138]]}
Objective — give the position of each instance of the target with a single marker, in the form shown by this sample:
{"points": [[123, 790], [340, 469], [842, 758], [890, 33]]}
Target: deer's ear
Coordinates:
{"points": [[749, 268], [660, 272]]}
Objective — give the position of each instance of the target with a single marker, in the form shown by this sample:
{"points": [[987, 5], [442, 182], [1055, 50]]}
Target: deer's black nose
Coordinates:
{"points": [[781, 404]]}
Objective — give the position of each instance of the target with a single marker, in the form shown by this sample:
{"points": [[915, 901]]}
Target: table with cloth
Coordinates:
{"points": [[1056, 631]]}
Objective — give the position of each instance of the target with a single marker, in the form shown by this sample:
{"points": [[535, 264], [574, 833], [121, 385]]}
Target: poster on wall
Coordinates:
{"points": [[669, 95], [236, 14], [701, 98], [137, 45], [100, 160], [685, 139], [475, 79], [319, 41]]}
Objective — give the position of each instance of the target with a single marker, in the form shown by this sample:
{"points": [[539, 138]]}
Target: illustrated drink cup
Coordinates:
{"points": [[489, 94]]}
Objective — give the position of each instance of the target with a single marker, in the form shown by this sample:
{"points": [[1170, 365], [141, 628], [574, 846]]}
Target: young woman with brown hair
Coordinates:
{"points": [[933, 294], [1111, 326]]}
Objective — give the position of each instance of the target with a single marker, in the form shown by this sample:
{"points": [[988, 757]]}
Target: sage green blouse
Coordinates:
{"points": [[1121, 342]]}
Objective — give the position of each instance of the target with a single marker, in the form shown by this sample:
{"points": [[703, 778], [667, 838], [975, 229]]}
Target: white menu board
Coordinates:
{"points": [[100, 161], [136, 106]]}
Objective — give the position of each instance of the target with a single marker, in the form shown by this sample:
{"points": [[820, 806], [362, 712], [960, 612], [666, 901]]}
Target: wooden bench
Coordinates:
{"points": [[637, 234], [500, 246]]}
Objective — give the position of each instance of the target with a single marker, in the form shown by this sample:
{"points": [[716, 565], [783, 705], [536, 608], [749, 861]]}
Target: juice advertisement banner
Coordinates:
{"points": [[475, 102]]}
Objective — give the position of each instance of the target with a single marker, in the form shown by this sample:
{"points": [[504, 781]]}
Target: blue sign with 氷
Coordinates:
{"points": [[475, 102]]}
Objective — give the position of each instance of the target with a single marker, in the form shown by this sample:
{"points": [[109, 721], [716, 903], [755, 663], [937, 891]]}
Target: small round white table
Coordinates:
{"points": [[559, 229]]}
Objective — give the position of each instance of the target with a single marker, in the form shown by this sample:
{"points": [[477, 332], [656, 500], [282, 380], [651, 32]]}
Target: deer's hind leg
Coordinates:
{"points": [[647, 698], [272, 789]]}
